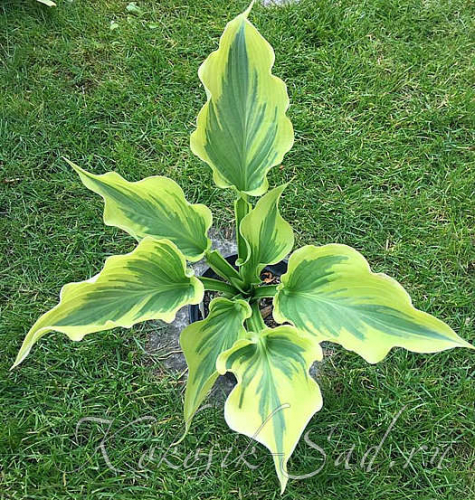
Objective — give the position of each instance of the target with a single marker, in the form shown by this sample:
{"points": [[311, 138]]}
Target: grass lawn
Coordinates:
{"points": [[383, 108]]}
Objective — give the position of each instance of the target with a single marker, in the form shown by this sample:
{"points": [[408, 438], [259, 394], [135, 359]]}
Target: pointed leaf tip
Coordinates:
{"points": [[202, 344], [242, 130], [275, 397], [248, 10], [155, 206], [331, 293], [148, 283]]}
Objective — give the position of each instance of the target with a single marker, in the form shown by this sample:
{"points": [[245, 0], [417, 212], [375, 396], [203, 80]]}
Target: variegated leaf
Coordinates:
{"points": [[275, 396], [331, 293], [151, 282], [202, 342], [241, 208], [155, 206], [242, 130], [268, 236]]}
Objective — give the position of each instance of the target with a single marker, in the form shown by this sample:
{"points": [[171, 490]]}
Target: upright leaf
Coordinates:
{"points": [[155, 206], [275, 396], [331, 293], [268, 236], [242, 130], [202, 342], [241, 208], [151, 282]]}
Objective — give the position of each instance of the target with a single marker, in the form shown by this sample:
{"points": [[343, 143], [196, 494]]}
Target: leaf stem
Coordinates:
{"points": [[241, 208], [218, 286], [256, 323], [265, 291], [224, 269]]}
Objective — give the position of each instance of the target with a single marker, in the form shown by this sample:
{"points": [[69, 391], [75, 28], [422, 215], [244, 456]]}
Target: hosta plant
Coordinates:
{"points": [[327, 294]]}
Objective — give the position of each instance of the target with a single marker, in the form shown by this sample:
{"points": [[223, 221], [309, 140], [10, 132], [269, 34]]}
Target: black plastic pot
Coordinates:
{"points": [[276, 270]]}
